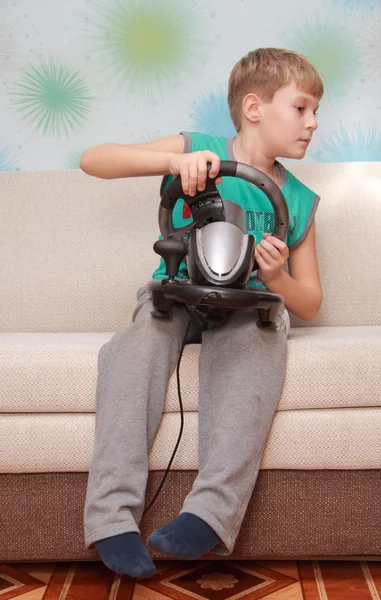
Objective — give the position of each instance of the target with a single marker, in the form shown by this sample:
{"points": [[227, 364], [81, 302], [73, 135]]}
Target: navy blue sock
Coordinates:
{"points": [[125, 554], [187, 537]]}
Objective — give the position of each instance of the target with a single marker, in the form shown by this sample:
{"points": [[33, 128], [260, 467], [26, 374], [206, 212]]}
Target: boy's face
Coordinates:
{"points": [[288, 122]]}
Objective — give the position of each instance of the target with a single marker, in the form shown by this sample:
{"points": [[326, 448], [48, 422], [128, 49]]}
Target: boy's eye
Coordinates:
{"points": [[301, 108]]}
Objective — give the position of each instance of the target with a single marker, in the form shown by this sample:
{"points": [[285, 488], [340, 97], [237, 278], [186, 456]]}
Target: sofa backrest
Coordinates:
{"points": [[74, 249]]}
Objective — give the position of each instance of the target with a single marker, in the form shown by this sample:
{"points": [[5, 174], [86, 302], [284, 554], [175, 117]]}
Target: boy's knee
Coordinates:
{"points": [[101, 354], [153, 330]]}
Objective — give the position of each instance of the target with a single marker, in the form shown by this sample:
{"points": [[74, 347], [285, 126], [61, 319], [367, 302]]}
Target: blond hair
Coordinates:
{"points": [[264, 71]]}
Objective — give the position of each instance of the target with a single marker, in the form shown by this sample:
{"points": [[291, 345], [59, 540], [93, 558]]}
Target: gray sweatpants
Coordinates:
{"points": [[241, 375]]}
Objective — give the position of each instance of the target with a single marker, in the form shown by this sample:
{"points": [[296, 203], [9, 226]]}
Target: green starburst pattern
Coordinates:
{"points": [[332, 50], [54, 97], [147, 46]]}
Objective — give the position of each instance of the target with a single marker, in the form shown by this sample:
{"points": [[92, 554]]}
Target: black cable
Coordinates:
{"points": [[208, 294]]}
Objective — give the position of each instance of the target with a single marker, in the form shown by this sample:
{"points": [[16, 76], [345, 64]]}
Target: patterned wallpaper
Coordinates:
{"points": [[78, 73]]}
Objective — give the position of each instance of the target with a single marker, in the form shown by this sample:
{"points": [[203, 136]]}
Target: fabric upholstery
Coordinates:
{"points": [[340, 438], [327, 367], [76, 248]]}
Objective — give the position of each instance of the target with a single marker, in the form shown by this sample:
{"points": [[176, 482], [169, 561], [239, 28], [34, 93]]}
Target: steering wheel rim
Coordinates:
{"points": [[228, 168]]}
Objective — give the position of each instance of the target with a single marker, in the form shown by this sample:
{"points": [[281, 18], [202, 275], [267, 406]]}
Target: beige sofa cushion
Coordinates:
{"points": [[75, 248], [333, 367], [74, 251], [341, 438]]}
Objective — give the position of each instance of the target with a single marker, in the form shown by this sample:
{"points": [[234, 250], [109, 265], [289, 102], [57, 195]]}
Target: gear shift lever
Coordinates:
{"points": [[172, 251]]}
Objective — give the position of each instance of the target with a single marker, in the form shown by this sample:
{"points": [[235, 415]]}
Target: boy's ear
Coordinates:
{"points": [[251, 107]]}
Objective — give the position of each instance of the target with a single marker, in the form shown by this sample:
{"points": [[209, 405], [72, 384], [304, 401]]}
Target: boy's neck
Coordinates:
{"points": [[247, 151]]}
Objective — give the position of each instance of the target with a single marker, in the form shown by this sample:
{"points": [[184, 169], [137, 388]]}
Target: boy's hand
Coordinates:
{"points": [[271, 255], [192, 169]]}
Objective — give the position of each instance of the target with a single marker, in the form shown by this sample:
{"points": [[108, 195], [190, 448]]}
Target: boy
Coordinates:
{"points": [[273, 98]]}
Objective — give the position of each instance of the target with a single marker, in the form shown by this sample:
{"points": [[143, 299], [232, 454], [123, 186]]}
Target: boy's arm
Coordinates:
{"points": [[301, 289], [112, 161]]}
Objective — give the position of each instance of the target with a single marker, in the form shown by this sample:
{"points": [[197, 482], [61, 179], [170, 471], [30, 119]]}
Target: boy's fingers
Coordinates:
{"points": [[270, 249], [213, 160], [193, 176], [264, 255], [184, 174], [275, 242], [202, 174], [214, 169]]}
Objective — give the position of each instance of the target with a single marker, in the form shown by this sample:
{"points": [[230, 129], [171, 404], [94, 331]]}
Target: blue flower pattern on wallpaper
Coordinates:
{"points": [[73, 158], [370, 44], [210, 114], [8, 162], [164, 65], [351, 144]]}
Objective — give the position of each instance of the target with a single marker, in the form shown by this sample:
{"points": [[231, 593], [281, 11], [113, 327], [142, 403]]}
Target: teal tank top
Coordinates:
{"points": [[301, 201]]}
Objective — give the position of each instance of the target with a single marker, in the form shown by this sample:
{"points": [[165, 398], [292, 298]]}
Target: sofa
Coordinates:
{"points": [[74, 250]]}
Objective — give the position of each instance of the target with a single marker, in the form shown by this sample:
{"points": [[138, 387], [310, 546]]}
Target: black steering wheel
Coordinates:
{"points": [[228, 168]]}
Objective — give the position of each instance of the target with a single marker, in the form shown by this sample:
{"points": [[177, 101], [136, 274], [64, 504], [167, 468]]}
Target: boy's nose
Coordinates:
{"points": [[312, 123]]}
